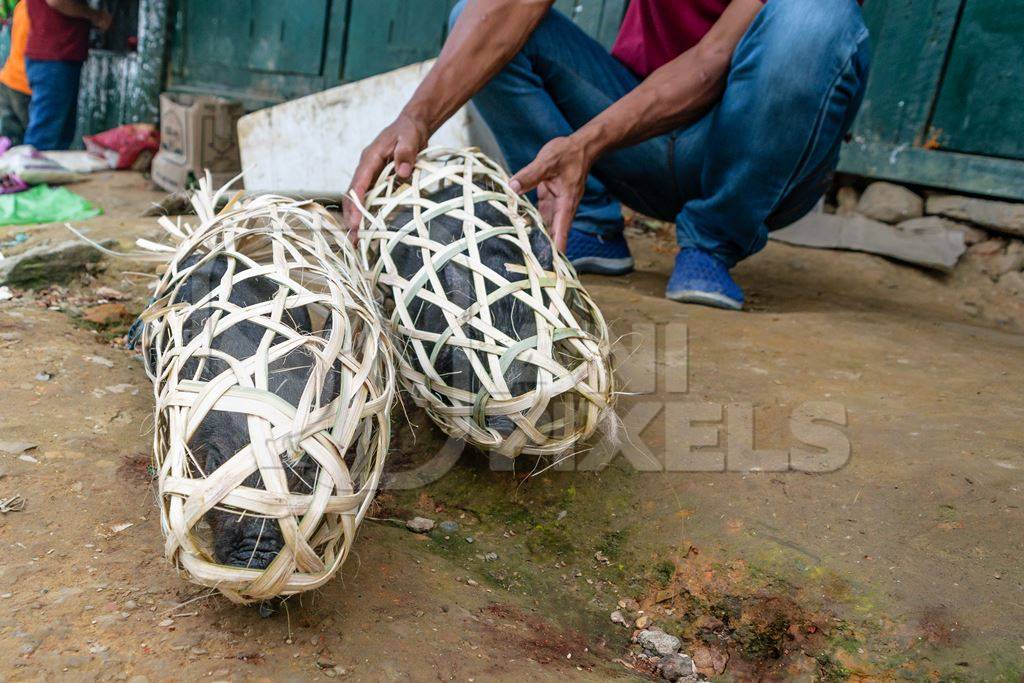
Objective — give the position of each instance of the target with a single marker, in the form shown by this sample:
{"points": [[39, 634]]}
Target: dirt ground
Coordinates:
{"points": [[902, 561]]}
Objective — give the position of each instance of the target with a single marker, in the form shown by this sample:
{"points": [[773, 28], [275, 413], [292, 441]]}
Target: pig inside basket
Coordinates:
{"points": [[510, 315], [231, 537]]}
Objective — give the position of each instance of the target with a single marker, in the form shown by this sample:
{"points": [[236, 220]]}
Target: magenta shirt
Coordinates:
{"points": [[654, 32]]}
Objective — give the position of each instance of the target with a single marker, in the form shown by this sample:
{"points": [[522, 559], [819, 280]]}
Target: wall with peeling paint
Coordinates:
{"points": [[124, 87]]}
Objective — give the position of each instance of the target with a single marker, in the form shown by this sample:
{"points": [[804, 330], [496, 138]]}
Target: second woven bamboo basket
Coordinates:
{"points": [[567, 345]]}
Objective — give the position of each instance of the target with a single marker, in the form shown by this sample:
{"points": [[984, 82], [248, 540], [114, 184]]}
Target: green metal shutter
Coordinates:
{"points": [[387, 34], [941, 106], [979, 107]]}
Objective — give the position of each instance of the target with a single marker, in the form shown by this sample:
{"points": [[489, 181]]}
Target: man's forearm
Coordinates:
{"points": [[671, 96], [485, 38], [675, 94]]}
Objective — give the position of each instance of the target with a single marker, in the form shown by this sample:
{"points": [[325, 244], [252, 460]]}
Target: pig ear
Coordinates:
{"points": [[542, 248]]}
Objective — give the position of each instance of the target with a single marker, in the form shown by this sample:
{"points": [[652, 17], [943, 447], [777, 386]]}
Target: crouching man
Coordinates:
{"points": [[724, 117]]}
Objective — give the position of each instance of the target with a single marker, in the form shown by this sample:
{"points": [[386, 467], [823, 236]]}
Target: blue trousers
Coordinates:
{"points": [[54, 105], [757, 160]]}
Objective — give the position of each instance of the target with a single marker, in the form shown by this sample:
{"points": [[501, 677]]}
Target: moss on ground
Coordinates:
{"points": [[555, 534]]}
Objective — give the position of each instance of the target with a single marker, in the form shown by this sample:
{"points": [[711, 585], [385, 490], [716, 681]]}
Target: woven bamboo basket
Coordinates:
{"points": [[300, 248], [566, 347]]}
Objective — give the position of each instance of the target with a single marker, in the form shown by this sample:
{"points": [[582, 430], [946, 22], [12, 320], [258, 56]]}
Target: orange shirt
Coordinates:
{"points": [[13, 73]]}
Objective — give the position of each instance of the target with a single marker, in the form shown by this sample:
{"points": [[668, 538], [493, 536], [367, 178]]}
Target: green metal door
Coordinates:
{"points": [[979, 107], [288, 37], [267, 51], [387, 34], [216, 33], [942, 102], [258, 51]]}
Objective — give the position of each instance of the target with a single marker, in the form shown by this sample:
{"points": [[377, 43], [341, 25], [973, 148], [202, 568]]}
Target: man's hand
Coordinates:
{"points": [[486, 36], [560, 174], [675, 94], [400, 142], [101, 20]]}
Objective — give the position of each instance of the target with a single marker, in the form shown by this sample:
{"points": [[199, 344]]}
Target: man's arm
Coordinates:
{"points": [[486, 37], [676, 93], [77, 9]]}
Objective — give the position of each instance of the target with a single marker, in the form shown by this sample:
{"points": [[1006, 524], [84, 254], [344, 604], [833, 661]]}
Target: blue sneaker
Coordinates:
{"points": [[700, 278], [594, 254]]}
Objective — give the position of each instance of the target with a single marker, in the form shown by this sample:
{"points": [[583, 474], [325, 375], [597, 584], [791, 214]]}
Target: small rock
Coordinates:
{"points": [[677, 667], [471, 582], [16, 447], [710, 661], [419, 525], [110, 293], [469, 539], [99, 360], [846, 200], [52, 263], [1002, 216], [27, 458], [618, 618], [166, 622], [449, 527], [629, 604], [106, 314], [658, 642], [122, 388], [44, 376], [642, 621], [130, 604], [490, 557], [6, 294], [889, 203]]}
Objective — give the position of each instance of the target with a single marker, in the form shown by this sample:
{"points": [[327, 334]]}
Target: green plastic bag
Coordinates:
{"points": [[44, 204]]}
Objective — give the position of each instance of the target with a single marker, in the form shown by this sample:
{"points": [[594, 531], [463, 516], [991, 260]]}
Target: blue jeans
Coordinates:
{"points": [[760, 158], [54, 105]]}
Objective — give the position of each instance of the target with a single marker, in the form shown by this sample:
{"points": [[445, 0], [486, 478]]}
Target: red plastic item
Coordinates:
{"points": [[129, 146]]}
